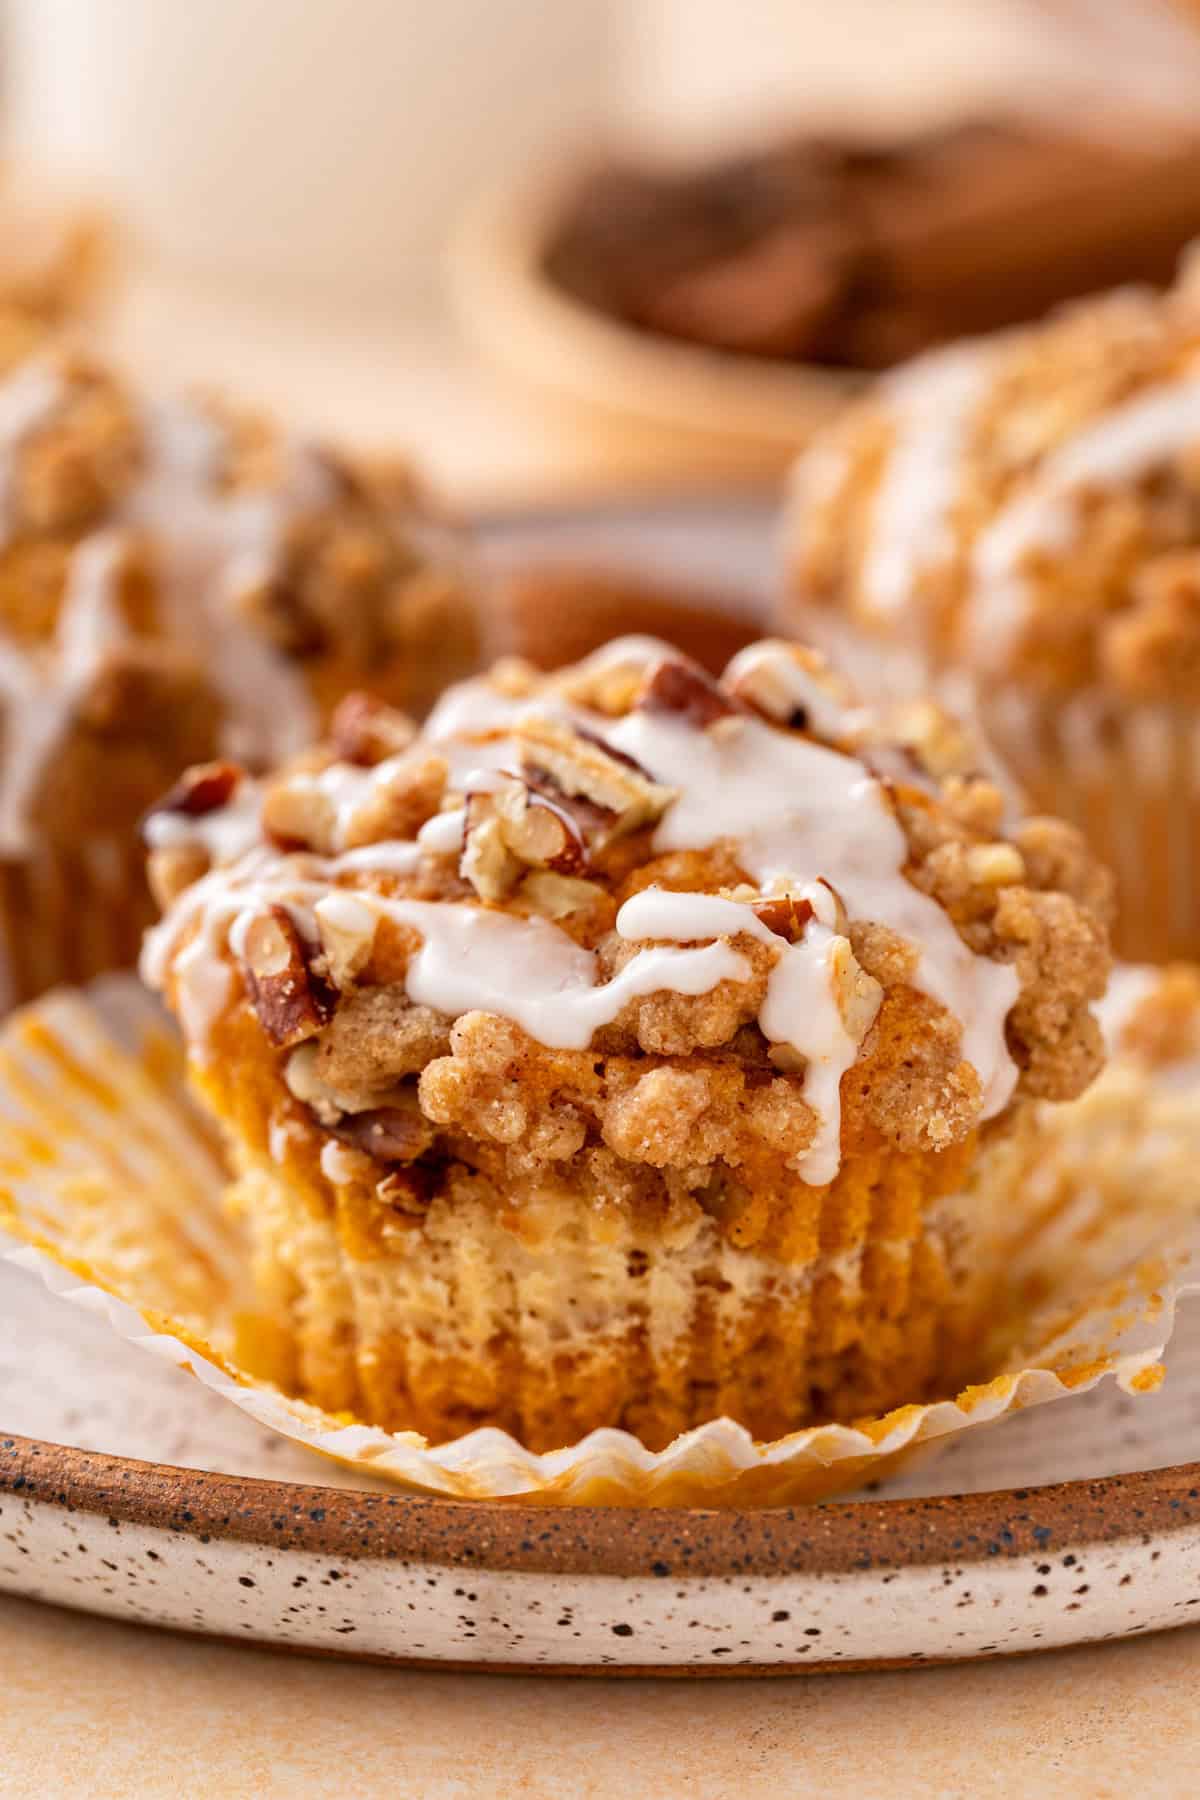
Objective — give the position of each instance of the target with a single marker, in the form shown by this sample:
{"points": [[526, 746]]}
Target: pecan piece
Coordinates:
{"points": [[785, 915], [292, 1003], [513, 826], [205, 789], [388, 1133], [792, 685], [582, 767], [364, 730], [685, 690]]}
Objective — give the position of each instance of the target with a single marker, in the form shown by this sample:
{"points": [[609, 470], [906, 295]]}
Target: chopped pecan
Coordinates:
{"points": [[515, 825], [487, 862], [557, 896], [388, 1133], [172, 869], [298, 813], [366, 731], [586, 768], [785, 914], [396, 800], [684, 689], [291, 1001], [790, 685], [204, 789], [347, 929]]}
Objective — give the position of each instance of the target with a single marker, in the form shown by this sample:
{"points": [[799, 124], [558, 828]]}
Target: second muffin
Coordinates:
{"points": [[1022, 515]]}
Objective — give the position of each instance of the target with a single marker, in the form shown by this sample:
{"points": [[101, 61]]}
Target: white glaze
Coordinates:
{"points": [[800, 1007], [931, 404], [1121, 446], [41, 688], [224, 834], [805, 820], [207, 545], [799, 812]]}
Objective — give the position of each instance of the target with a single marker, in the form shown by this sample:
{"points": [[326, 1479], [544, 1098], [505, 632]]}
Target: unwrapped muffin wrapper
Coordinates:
{"points": [[112, 1184]]}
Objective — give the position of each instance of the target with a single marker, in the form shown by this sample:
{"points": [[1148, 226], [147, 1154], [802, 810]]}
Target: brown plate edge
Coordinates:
{"points": [[669, 1542]]}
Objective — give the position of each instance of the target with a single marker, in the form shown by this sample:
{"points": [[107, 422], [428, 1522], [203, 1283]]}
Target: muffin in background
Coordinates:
{"points": [[179, 580], [628, 1048], [1019, 519]]}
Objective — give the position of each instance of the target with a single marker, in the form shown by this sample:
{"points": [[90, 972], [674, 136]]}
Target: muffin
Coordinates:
{"points": [[629, 1047], [1021, 519], [178, 582]]}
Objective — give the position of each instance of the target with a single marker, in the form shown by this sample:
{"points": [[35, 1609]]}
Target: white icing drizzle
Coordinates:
{"points": [[470, 959], [798, 811], [444, 832], [800, 1007], [806, 820], [931, 403], [224, 834], [41, 688], [1123, 445], [823, 712], [207, 544]]}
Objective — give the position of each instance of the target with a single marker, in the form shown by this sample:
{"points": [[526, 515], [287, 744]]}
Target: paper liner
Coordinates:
{"points": [[70, 915], [111, 1181]]}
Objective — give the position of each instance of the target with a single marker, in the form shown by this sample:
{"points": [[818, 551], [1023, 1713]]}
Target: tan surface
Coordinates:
{"points": [[89, 1708]]}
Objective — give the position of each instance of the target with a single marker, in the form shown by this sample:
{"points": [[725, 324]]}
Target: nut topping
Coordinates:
{"points": [[204, 789], [784, 914], [388, 1133], [586, 768], [684, 689], [291, 1002], [515, 826], [365, 731]]}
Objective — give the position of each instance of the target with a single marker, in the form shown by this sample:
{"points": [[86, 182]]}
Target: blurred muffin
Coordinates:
{"points": [[178, 581], [629, 1048], [1026, 513], [54, 249]]}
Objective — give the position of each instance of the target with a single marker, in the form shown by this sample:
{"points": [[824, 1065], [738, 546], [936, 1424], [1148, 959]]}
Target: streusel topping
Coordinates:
{"points": [[1028, 506], [630, 906], [149, 536]]}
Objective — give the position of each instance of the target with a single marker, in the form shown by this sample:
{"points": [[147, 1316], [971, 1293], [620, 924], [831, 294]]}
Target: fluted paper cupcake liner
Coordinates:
{"points": [[112, 1185], [70, 915]]}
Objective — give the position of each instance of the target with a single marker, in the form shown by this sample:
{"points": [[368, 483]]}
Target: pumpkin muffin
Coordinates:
{"points": [[629, 1047], [1020, 519], [178, 581]]}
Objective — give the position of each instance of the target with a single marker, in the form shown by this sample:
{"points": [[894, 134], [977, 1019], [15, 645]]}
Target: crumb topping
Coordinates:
{"points": [[631, 906], [1029, 506], [141, 538]]}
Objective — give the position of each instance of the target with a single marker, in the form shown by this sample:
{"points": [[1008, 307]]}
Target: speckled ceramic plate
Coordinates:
{"points": [[127, 1488], [132, 1491]]}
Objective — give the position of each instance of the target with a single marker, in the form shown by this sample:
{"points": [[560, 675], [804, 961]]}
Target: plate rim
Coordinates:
{"points": [[813, 1539]]}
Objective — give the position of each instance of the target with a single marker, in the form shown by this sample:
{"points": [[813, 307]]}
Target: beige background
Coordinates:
{"points": [[91, 1708]]}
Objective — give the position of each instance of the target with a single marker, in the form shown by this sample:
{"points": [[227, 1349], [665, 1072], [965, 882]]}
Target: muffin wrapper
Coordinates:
{"points": [[1131, 781], [70, 915], [113, 1186]]}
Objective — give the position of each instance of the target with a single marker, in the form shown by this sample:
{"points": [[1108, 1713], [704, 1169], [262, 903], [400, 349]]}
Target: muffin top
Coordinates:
{"points": [[1028, 506], [185, 572], [696, 915]]}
